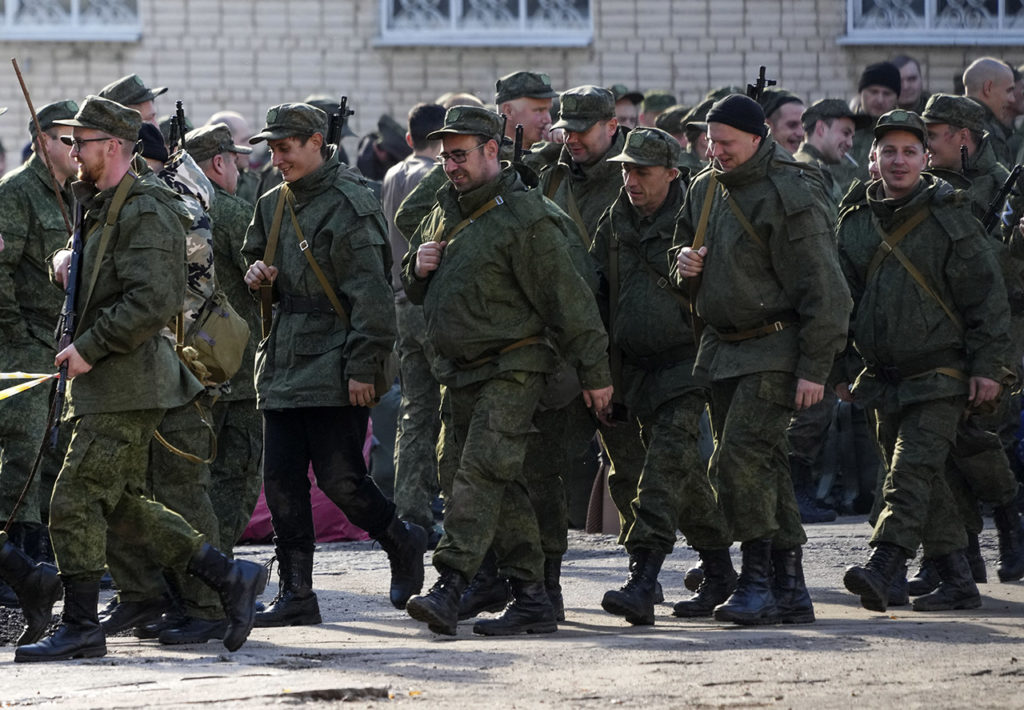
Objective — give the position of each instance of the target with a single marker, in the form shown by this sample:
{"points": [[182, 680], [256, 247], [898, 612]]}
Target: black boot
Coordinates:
{"points": [[957, 589], [803, 487], [753, 603], [529, 612], [238, 582], [718, 581], [926, 580], [635, 599], [1011, 542], [79, 634], [872, 581], [553, 583], [129, 614], [486, 591], [439, 608], [791, 596], [193, 630], [405, 543], [296, 603], [899, 590], [36, 587], [975, 560]]}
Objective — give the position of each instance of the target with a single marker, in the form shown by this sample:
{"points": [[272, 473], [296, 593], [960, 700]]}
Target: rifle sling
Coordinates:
{"points": [[120, 197], [698, 241], [570, 204], [267, 289], [614, 352], [480, 212]]}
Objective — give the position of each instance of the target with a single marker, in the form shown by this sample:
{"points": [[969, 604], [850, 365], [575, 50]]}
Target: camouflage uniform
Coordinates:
{"points": [[998, 135]]}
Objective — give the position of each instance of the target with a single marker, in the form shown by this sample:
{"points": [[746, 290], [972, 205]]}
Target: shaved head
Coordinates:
{"points": [[984, 70]]}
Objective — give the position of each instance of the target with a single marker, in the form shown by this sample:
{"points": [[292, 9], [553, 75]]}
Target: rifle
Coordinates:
{"points": [[995, 207], [336, 122], [517, 146], [963, 160], [755, 90], [179, 117]]}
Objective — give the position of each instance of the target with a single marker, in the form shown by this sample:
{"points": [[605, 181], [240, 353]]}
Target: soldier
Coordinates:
{"points": [[627, 105], [776, 316], [493, 361], [310, 414], [654, 104], [829, 127], [989, 82], [673, 122], [923, 365], [525, 97], [381, 149], [132, 92], [782, 111], [248, 179], [877, 92], [648, 322], [695, 157], [124, 375], [913, 96]]}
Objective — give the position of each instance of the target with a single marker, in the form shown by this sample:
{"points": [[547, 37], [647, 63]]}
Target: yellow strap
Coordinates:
{"points": [[16, 389], [480, 212], [184, 454]]}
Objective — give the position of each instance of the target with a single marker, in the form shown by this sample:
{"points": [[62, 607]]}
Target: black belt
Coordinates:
{"points": [[767, 327], [894, 374], [673, 356], [304, 304]]}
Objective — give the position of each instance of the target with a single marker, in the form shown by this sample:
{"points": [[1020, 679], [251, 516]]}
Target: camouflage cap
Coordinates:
{"points": [[958, 111], [622, 93], [649, 146], [207, 141], [671, 120], [392, 137], [833, 108], [657, 100], [469, 121], [696, 119], [329, 105], [775, 97], [722, 91], [523, 84], [288, 120], [582, 107], [130, 91], [49, 114], [901, 120], [105, 115]]}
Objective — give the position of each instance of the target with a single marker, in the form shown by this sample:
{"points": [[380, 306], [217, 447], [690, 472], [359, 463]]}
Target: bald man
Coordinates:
{"points": [[989, 82]]}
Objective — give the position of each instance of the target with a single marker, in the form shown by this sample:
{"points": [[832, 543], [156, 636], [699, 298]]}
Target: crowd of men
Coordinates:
{"points": [[698, 290]]}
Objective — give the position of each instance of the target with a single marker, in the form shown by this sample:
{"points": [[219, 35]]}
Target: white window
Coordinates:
{"points": [[71, 20], [563, 23], [906, 22]]}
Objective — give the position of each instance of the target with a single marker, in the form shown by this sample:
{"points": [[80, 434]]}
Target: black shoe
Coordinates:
{"points": [[957, 589], [529, 613], [486, 591], [753, 602], [926, 580], [975, 560], [899, 590], [153, 630], [439, 608], [36, 587], [1011, 542], [405, 543], [238, 582], [79, 634], [791, 596], [718, 581], [635, 599], [193, 630], [125, 615], [296, 603], [8, 598], [872, 581]]}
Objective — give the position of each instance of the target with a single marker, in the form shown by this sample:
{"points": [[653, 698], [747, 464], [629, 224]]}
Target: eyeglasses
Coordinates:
{"points": [[77, 143], [458, 156]]}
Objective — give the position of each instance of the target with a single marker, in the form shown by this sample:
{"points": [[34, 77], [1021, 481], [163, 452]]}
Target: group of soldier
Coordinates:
{"points": [[622, 269]]}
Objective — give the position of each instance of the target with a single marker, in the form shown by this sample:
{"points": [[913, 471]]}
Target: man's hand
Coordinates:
{"points": [[428, 258], [689, 262], [844, 393], [76, 363], [808, 393], [258, 274], [61, 266], [598, 400], [982, 389], [360, 394]]}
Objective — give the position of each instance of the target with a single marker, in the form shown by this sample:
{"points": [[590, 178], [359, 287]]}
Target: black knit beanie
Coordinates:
{"points": [[881, 74], [741, 112]]}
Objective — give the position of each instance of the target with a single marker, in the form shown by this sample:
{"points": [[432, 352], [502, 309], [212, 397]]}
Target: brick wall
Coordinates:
{"points": [[250, 54]]}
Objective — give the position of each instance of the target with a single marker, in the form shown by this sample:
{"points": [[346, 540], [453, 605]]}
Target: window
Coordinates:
{"points": [[934, 22], [70, 20], [564, 23]]}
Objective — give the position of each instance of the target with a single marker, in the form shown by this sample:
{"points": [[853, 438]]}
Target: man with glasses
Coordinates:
{"points": [[502, 298]]}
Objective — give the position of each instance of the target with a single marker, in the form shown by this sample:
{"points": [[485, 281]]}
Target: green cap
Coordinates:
{"points": [[291, 120], [775, 97], [657, 100], [722, 91], [207, 141], [130, 91], [622, 93], [105, 115], [696, 119], [469, 121], [582, 107], [328, 104], [649, 146], [832, 108], [672, 119], [958, 111], [49, 114], [901, 120], [523, 84]]}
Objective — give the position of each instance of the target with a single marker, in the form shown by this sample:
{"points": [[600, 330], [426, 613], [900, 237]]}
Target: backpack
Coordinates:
{"points": [[214, 344]]}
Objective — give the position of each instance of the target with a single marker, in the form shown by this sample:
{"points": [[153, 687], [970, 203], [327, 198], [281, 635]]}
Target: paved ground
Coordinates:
{"points": [[368, 652]]}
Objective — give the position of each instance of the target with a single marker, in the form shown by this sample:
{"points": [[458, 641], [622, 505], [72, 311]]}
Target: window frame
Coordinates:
{"points": [[74, 30]]}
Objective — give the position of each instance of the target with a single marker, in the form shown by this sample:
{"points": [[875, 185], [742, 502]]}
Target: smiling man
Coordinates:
{"points": [[525, 97]]}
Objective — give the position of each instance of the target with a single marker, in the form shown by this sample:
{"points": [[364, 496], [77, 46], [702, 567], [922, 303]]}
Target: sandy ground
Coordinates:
{"points": [[372, 654]]}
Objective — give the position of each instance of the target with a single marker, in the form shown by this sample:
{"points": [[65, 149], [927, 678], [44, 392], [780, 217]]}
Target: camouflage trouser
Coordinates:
{"points": [[749, 416], [182, 486], [419, 420], [808, 429], [919, 506], [979, 469], [624, 446], [674, 488], [490, 425], [101, 488], [235, 477]]}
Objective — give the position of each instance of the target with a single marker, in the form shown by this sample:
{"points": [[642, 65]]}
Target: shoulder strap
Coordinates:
{"points": [[267, 289], [614, 352], [324, 284], [571, 207], [477, 214], [744, 222], [120, 197], [698, 241], [890, 241]]}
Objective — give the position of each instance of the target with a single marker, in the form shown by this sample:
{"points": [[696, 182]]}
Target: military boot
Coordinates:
{"points": [[405, 543], [811, 511], [192, 630], [79, 634], [899, 590], [36, 586], [791, 596], [957, 589], [238, 582], [753, 602], [926, 580], [975, 560], [120, 615], [1011, 542], [718, 581], [530, 612], [486, 591], [553, 583], [439, 608], [635, 599], [296, 603], [872, 581]]}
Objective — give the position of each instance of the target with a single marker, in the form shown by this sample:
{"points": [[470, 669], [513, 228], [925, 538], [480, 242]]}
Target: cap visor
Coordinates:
{"points": [[576, 125], [269, 134], [239, 149]]}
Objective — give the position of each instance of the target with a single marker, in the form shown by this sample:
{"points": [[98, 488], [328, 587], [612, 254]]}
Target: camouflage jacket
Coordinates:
{"points": [[400, 180], [418, 203], [506, 277], [812, 156], [895, 322], [309, 357], [998, 135], [845, 172], [792, 275]]}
